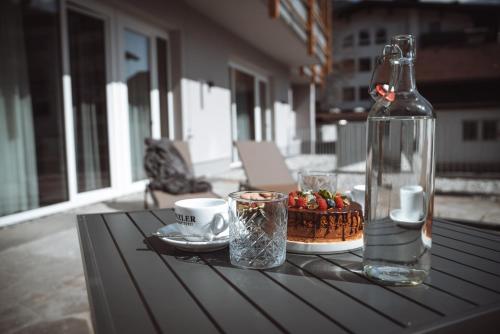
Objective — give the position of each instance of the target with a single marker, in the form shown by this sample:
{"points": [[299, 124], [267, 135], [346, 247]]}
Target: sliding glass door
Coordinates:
{"points": [[32, 147], [138, 78], [251, 113], [266, 116], [244, 95], [82, 85], [163, 86], [145, 64], [87, 58]]}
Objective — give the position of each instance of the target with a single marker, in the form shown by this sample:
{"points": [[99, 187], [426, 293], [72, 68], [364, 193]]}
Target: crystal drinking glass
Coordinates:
{"points": [[257, 229], [315, 181]]}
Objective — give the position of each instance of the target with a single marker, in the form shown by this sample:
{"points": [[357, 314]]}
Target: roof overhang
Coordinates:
{"points": [[251, 21]]}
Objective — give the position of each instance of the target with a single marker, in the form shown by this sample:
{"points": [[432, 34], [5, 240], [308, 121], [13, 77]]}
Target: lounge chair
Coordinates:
{"points": [[163, 199], [265, 167]]}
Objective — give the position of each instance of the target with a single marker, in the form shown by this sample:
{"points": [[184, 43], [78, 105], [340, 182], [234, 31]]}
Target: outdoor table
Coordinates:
{"points": [[138, 284]]}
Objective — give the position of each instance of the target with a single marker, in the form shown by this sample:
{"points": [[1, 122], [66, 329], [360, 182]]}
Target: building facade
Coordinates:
{"points": [[457, 70], [85, 82]]}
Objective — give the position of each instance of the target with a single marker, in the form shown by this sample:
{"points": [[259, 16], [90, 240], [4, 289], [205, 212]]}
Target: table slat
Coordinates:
{"points": [[472, 275], [427, 296], [166, 297], [456, 286], [288, 310], [487, 233], [334, 303], [479, 263], [466, 248], [467, 238], [393, 306], [461, 288]]}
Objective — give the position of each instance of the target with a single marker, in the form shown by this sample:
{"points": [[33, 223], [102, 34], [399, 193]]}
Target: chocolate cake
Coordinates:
{"points": [[323, 217]]}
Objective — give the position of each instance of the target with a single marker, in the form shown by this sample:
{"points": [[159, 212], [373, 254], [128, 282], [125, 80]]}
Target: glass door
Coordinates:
{"points": [[265, 112], [162, 57], [138, 80], [144, 69], [251, 116], [87, 58], [244, 95]]}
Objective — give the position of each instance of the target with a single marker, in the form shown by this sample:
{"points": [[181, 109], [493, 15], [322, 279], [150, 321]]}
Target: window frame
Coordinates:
{"points": [[350, 43], [368, 61], [468, 137], [344, 89], [485, 122], [366, 40], [362, 90], [346, 65], [378, 36]]}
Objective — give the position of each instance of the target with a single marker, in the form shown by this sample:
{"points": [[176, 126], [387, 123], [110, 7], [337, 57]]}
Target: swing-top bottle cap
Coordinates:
{"points": [[406, 44]]}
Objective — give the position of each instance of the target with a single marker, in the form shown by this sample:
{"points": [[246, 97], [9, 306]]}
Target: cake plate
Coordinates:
{"points": [[323, 247]]}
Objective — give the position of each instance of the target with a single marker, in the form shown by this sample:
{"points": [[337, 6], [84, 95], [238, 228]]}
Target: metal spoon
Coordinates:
{"points": [[182, 237]]}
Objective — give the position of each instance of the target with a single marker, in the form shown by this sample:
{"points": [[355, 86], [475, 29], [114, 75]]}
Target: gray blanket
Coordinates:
{"points": [[167, 170]]}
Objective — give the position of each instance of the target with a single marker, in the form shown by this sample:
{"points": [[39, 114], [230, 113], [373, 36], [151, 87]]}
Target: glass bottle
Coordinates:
{"points": [[399, 171]]}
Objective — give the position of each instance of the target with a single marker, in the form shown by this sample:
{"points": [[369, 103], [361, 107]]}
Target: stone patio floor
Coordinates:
{"points": [[42, 285]]}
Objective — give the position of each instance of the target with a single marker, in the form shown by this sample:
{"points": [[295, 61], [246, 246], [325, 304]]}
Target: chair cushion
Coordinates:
{"points": [[168, 171]]}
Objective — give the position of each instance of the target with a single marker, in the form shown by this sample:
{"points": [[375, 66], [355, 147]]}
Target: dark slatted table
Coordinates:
{"points": [[138, 284]]}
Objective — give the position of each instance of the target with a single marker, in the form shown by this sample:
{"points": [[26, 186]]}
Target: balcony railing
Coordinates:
{"points": [[312, 21]]}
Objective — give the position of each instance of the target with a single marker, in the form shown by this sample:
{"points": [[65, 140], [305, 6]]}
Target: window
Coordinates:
{"points": [[381, 36], [348, 65], [470, 130], [364, 64], [348, 41], [364, 37], [363, 93], [435, 26], [489, 130], [348, 94]]}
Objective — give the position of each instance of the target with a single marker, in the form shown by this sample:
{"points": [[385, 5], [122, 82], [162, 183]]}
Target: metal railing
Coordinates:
{"points": [[348, 144], [311, 20]]}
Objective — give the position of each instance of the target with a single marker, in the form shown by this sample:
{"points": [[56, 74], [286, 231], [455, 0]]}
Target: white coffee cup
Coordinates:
{"points": [[201, 217], [358, 194], [412, 202]]}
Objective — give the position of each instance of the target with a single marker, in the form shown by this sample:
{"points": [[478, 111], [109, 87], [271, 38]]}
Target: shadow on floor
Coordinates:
{"points": [[126, 205]]}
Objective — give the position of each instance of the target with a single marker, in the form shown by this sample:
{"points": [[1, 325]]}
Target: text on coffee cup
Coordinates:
{"points": [[185, 219]]}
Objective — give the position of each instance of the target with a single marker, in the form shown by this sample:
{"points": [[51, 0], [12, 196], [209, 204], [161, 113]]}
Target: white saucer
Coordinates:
{"points": [[323, 247], [396, 216], [220, 241]]}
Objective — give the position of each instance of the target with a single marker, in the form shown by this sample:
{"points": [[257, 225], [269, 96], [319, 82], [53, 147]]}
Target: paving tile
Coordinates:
{"points": [[16, 316], [67, 325]]}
